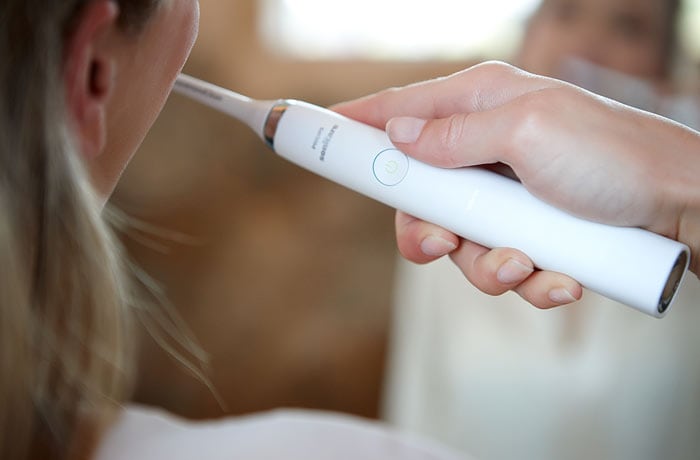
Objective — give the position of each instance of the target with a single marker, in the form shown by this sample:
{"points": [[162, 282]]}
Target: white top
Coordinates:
{"points": [[151, 434], [499, 379]]}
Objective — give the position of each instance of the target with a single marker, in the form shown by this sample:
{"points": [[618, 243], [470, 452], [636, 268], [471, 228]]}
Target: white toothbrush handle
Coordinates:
{"points": [[633, 266]]}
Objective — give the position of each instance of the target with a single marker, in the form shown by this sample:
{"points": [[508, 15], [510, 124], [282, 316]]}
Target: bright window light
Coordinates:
{"points": [[411, 29], [393, 29], [690, 26]]}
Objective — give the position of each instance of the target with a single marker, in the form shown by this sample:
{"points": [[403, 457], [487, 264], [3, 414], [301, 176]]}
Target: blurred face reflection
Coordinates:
{"points": [[628, 36]]}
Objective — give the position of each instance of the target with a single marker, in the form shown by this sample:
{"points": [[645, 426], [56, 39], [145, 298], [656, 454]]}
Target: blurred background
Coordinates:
{"points": [[285, 279]]}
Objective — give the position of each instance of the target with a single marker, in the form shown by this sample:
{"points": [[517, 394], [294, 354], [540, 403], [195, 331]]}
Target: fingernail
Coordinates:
{"points": [[436, 246], [561, 296], [513, 271], [405, 130]]}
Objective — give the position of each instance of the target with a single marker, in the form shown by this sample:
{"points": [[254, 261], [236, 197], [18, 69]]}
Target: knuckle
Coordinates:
{"points": [[451, 138], [537, 113], [453, 132], [392, 91], [531, 118], [473, 260], [494, 67], [406, 246]]}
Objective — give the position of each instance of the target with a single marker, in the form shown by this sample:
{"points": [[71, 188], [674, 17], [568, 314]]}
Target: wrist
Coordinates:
{"points": [[688, 198], [689, 233]]}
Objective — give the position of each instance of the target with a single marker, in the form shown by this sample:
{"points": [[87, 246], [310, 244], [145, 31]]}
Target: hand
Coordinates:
{"points": [[593, 157]]}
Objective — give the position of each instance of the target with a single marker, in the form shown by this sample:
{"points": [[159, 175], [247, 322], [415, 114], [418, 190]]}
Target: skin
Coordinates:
{"points": [[628, 36], [637, 170], [116, 82]]}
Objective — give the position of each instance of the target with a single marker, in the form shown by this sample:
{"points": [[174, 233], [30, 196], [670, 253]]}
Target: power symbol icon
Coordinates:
{"points": [[391, 167]]}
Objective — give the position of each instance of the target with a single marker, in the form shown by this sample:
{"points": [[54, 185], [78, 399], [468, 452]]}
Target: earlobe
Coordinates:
{"points": [[88, 74]]}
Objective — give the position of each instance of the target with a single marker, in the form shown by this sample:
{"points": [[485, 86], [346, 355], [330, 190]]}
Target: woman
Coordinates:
{"points": [[82, 81]]}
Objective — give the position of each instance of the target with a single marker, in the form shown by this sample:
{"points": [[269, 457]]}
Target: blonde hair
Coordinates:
{"points": [[64, 323]]}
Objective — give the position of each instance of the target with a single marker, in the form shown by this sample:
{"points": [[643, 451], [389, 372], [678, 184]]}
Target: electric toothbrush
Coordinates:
{"points": [[633, 266]]}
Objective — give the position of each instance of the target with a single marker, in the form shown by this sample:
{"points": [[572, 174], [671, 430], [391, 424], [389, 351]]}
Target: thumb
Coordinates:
{"points": [[462, 139]]}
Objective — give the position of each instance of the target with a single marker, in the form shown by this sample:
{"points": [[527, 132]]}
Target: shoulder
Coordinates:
{"points": [[143, 433]]}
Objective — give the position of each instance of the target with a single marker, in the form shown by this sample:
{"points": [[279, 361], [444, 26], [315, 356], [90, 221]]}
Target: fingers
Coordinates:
{"points": [[510, 134], [421, 242], [549, 289], [493, 271], [505, 134], [499, 270], [463, 139], [479, 88]]}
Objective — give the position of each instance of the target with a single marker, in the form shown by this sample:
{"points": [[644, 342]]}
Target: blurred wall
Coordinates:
{"points": [[284, 278]]}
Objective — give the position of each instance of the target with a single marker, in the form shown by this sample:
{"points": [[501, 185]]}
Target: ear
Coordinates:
{"points": [[88, 70]]}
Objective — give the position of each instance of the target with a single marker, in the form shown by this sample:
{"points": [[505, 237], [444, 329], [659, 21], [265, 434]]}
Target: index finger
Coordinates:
{"points": [[482, 87]]}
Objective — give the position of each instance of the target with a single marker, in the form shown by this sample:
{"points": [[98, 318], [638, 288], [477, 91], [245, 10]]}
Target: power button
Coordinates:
{"points": [[390, 166]]}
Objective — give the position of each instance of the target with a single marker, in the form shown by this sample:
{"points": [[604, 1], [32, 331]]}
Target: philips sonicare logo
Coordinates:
{"points": [[325, 142]]}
